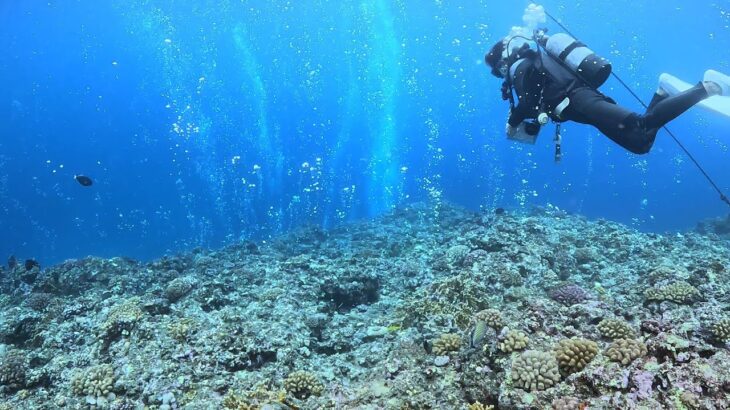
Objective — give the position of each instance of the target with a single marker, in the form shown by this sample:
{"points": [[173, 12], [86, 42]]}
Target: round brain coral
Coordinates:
{"points": [[534, 370], [626, 351], [574, 354], [616, 329]]}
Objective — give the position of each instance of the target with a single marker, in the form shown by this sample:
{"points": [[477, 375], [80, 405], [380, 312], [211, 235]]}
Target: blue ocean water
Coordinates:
{"points": [[205, 122]]}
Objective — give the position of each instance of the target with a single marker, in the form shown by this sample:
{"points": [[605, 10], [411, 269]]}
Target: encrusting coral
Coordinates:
{"points": [[626, 351], [534, 370], [574, 354]]}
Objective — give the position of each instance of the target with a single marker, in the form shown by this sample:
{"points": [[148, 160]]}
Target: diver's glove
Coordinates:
{"points": [[510, 130]]}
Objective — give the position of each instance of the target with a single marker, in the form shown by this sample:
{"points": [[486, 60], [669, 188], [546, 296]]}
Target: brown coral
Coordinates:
{"points": [[574, 354], [616, 329], [492, 317], [303, 384], [721, 330], [13, 365], [626, 351], [97, 381], [447, 343], [535, 370], [678, 292], [479, 406], [514, 340]]}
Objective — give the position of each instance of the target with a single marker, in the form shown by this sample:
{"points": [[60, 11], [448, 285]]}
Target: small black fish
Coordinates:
{"points": [[12, 262], [31, 263], [83, 180], [499, 211], [427, 346]]}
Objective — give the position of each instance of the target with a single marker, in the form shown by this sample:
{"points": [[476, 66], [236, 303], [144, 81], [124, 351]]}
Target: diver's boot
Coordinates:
{"points": [[719, 79]]}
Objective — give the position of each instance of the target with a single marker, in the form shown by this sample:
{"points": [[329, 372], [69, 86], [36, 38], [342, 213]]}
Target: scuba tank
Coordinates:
{"points": [[574, 55]]}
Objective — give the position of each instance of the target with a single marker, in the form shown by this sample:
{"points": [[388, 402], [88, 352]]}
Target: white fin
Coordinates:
{"points": [[673, 86]]}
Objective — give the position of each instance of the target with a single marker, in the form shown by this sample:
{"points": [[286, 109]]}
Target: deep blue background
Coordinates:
{"points": [[204, 122]]}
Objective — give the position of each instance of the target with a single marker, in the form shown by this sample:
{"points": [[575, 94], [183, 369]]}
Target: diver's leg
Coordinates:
{"points": [[659, 96], [672, 107], [621, 125]]}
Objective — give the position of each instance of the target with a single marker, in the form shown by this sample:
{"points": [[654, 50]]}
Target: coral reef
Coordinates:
{"points": [[616, 329], [569, 294], [13, 367], [678, 292], [625, 351], [513, 340], [721, 330], [178, 288], [95, 384], [534, 370], [423, 308], [492, 317], [574, 354], [303, 384], [446, 344]]}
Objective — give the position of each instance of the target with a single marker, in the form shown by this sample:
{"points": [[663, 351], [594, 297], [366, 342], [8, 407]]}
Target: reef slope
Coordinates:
{"points": [[425, 308]]}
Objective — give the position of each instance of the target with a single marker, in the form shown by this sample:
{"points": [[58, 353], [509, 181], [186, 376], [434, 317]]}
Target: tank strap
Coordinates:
{"points": [[569, 49]]}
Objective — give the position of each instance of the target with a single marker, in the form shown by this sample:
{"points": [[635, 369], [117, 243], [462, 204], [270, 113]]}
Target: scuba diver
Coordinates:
{"points": [[559, 80]]}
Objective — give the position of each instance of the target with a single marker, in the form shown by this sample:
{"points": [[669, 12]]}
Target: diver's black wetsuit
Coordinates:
{"points": [[541, 84]]}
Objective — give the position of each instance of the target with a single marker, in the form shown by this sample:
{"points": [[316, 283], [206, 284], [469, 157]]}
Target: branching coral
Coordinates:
{"points": [[721, 330], [616, 329], [479, 406], [303, 384], [574, 354], [492, 317], [446, 343], [452, 299], [95, 382], [121, 320], [534, 370], [626, 351], [514, 340], [678, 292]]}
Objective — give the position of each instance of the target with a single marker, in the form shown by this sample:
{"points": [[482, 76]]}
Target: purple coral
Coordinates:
{"points": [[569, 294]]}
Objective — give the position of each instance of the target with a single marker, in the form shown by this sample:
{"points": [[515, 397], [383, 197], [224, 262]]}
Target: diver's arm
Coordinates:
{"points": [[517, 114], [527, 80]]}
